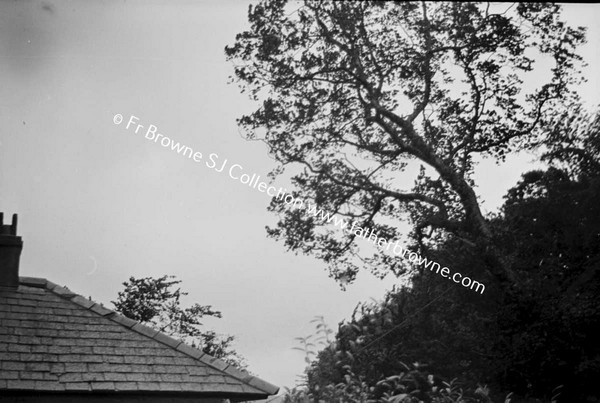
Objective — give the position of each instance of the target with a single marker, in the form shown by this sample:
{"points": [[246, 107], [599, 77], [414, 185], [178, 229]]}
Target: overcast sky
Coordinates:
{"points": [[98, 204]]}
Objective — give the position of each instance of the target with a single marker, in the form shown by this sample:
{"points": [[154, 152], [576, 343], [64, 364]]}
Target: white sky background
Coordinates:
{"points": [[98, 204]]}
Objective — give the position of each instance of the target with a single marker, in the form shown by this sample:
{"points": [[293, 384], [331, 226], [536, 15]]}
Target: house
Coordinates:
{"points": [[57, 346]]}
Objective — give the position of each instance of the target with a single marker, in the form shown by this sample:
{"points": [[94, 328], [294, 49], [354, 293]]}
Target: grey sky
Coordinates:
{"points": [[98, 204]]}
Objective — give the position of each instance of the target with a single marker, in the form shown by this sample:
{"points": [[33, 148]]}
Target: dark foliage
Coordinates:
{"points": [[528, 342]]}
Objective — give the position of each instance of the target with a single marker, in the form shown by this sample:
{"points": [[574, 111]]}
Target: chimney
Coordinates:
{"points": [[10, 252]]}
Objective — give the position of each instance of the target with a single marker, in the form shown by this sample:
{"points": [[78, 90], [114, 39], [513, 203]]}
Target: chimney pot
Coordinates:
{"points": [[10, 253]]}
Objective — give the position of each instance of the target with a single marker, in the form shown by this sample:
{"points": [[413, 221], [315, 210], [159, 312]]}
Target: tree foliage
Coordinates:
{"points": [[535, 341], [354, 95], [572, 141], [156, 302]]}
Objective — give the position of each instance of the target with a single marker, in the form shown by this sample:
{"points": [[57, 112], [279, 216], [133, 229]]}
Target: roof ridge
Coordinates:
{"points": [[151, 333]]}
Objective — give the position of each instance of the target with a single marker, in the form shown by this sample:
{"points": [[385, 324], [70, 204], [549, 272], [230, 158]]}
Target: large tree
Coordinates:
{"points": [[353, 95]]}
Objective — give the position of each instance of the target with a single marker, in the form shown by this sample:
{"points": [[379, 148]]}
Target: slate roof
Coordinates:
{"points": [[272, 399], [53, 340]]}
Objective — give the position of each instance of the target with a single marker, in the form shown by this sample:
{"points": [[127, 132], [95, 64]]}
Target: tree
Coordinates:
{"points": [[354, 94], [156, 302]]}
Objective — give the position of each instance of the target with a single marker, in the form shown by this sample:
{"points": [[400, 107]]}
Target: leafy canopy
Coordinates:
{"points": [[357, 95]]}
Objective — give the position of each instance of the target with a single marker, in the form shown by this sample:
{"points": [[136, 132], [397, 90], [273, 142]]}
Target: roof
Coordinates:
{"points": [[53, 340], [272, 399]]}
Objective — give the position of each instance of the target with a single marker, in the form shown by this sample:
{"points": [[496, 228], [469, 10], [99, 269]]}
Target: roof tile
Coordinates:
{"points": [[31, 375], [126, 386], [169, 341], [170, 386], [77, 386], [134, 377], [214, 362], [193, 352], [71, 377], [12, 366], [84, 302], [57, 368], [100, 310], [102, 386], [125, 321], [49, 385], [8, 375], [197, 371], [145, 330], [74, 367], [37, 366]]}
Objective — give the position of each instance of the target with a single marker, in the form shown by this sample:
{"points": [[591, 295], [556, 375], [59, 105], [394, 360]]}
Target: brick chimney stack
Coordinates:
{"points": [[10, 252]]}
